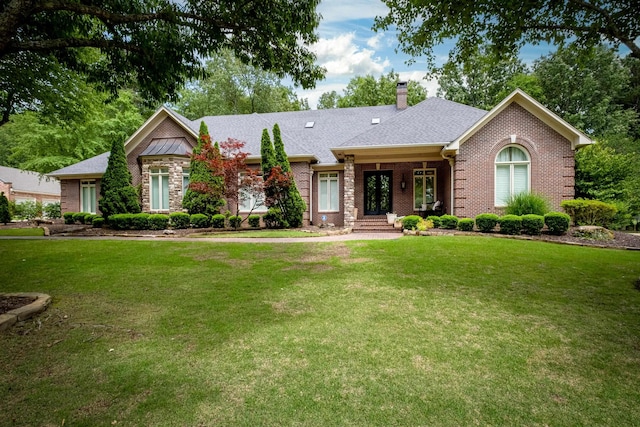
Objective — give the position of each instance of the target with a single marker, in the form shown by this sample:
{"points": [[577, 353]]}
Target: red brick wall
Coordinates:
{"points": [[70, 198], [551, 168], [302, 176], [336, 218]]}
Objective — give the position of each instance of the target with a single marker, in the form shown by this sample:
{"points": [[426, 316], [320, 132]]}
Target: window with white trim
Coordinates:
{"points": [[512, 174], [328, 192], [185, 180], [159, 178], [88, 196], [424, 188], [250, 201]]}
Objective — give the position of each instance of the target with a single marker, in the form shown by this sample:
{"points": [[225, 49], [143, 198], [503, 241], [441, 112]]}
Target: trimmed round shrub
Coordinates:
{"points": [[449, 222], [120, 221], [273, 218], [199, 220], [98, 222], [435, 220], [465, 224], [589, 212], [410, 222], [557, 222], [179, 220], [88, 219], [487, 222], [235, 221], [79, 217], [532, 224], [158, 221], [139, 221], [68, 217], [254, 221], [510, 224], [218, 221]]}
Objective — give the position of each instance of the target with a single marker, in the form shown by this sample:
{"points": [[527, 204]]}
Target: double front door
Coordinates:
{"points": [[377, 192]]}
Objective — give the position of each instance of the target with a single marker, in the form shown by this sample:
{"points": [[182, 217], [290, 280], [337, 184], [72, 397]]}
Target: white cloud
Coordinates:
{"points": [[374, 42], [340, 10], [419, 76], [341, 57]]}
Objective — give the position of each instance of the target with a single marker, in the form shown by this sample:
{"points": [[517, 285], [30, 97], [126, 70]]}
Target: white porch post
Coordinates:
{"points": [[452, 163], [349, 191]]}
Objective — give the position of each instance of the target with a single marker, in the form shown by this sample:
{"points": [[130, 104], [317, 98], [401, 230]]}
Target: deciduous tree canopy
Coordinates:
{"points": [[508, 25], [155, 45]]}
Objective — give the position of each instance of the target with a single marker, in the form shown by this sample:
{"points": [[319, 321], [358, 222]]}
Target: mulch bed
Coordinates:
{"points": [[11, 303]]}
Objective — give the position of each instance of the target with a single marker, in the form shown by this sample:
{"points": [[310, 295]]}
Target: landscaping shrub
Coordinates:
{"points": [[424, 224], [28, 210], [158, 221], [119, 221], [527, 203], [410, 222], [465, 224], [180, 220], [510, 224], [52, 210], [138, 221], [589, 212], [79, 217], [449, 222], [68, 217], [235, 221], [557, 222], [435, 220], [218, 221], [5, 213], [487, 222], [98, 222], [88, 219], [273, 218], [532, 224], [200, 220], [254, 221]]}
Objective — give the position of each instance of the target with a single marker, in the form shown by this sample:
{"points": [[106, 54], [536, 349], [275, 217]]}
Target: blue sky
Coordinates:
{"points": [[349, 48]]}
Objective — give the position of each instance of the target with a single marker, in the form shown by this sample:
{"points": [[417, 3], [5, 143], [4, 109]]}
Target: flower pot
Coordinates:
{"points": [[391, 218]]}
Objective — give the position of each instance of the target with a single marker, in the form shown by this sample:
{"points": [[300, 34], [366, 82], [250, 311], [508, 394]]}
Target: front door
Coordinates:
{"points": [[377, 192]]}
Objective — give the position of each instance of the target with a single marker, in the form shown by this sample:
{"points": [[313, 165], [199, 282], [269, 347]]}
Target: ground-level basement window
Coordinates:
{"points": [[328, 192], [159, 188], [512, 173], [88, 196]]}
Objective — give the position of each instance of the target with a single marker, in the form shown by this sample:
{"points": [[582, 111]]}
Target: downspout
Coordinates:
{"points": [[452, 162], [310, 196]]}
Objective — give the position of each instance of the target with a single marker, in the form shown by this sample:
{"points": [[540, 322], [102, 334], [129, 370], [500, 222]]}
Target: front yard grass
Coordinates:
{"points": [[440, 331], [21, 232]]}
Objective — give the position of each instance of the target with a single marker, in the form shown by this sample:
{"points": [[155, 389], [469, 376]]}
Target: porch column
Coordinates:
{"points": [[349, 191]]}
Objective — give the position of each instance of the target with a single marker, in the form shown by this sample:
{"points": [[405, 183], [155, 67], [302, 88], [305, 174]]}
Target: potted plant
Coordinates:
{"points": [[391, 217]]}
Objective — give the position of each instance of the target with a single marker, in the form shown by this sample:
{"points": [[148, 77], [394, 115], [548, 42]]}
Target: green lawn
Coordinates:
{"points": [[434, 331], [21, 232]]}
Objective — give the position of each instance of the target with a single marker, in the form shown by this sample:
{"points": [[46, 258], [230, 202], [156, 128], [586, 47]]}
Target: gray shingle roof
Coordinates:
{"points": [[434, 120], [29, 181], [92, 166]]}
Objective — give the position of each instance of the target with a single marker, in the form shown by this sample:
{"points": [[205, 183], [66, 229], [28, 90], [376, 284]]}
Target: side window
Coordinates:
{"points": [[512, 174], [88, 196], [328, 192]]}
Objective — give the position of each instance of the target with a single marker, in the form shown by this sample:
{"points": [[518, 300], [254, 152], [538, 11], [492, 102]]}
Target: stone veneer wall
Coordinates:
{"points": [[349, 191], [174, 165]]}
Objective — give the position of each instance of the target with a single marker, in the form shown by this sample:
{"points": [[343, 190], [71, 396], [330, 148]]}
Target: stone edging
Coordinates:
{"points": [[10, 318]]}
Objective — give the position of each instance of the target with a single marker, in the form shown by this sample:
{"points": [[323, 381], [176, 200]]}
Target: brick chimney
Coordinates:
{"points": [[401, 96]]}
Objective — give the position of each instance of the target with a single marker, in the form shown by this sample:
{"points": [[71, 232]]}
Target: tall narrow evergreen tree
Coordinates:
{"points": [[204, 195], [5, 214], [293, 206], [268, 163], [117, 194]]}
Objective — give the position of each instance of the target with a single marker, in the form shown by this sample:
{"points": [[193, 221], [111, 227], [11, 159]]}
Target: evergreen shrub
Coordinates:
{"points": [[199, 220], [510, 224], [254, 221], [52, 210], [78, 217], [235, 221], [273, 218], [218, 221], [410, 222], [180, 220], [487, 222], [139, 221], [532, 224], [449, 222], [465, 224], [158, 221], [5, 213], [435, 220], [557, 222], [88, 219], [98, 222], [68, 217], [589, 212]]}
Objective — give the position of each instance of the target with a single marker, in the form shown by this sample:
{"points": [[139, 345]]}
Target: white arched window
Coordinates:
{"points": [[512, 173]]}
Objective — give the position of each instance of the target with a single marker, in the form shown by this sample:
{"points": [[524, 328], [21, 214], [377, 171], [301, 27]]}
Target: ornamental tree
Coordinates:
{"points": [[292, 206], [5, 214], [117, 195]]}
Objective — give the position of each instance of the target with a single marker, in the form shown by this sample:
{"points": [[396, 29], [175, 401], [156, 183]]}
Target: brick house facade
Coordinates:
{"points": [[355, 163]]}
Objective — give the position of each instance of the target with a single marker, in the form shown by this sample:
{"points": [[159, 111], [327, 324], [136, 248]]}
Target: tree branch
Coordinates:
{"points": [[57, 44]]}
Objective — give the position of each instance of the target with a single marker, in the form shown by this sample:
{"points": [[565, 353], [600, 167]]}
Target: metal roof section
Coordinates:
{"points": [[29, 181], [167, 147]]}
